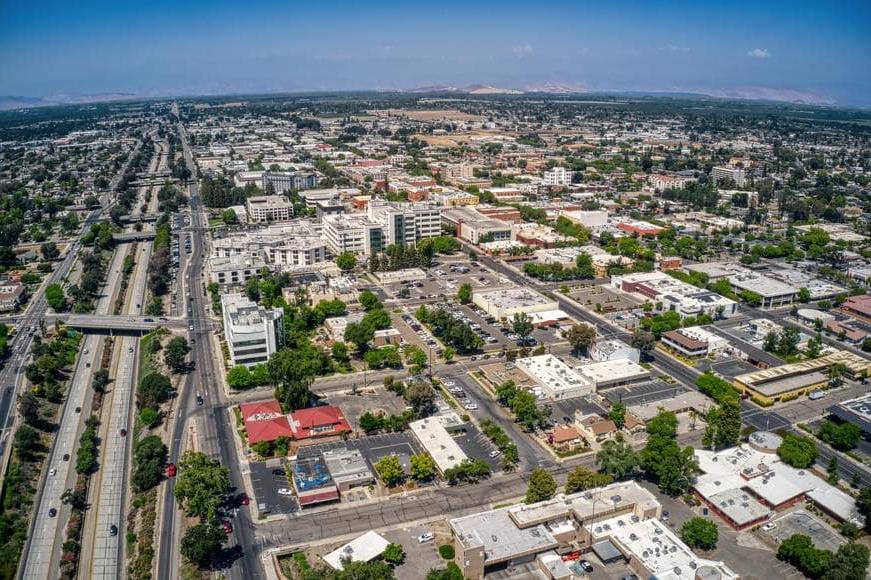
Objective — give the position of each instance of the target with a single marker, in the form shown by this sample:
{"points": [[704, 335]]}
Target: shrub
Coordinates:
{"points": [[447, 551]]}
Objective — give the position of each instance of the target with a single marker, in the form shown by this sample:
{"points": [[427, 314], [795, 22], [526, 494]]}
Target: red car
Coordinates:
{"points": [[228, 527], [245, 499], [170, 470]]}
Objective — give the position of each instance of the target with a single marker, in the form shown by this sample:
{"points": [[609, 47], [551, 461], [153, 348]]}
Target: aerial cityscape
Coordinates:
{"points": [[376, 307]]}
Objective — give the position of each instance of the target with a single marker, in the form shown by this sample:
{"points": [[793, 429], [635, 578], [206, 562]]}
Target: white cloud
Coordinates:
{"points": [[760, 53], [522, 50], [674, 48]]}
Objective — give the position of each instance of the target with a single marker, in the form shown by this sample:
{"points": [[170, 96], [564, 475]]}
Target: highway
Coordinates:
{"points": [[213, 429]]}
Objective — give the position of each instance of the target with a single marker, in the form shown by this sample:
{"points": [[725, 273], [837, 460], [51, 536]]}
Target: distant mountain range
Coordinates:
{"points": [[12, 102]]}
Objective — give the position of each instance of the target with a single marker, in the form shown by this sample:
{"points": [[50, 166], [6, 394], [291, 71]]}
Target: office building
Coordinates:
{"points": [[694, 341], [668, 293], [736, 174], [614, 349], [556, 379], [252, 333], [502, 304], [354, 233], [434, 435], [405, 223], [473, 226], [282, 182], [558, 177], [268, 208], [774, 293]]}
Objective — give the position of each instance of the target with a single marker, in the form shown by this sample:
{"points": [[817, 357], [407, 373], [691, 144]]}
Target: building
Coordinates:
{"points": [[616, 521], [354, 233], [269, 208], [312, 481], [556, 379], [736, 174], [434, 435], [774, 293], [596, 430], [279, 246], [592, 219], [264, 421], [318, 422], [234, 270], [789, 381], [558, 177], [503, 304], [638, 227], [856, 411], [660, 182], [475, 227], [858, 306], [252, 333], [694, 341], [614, 349], [363, 549], [613, 373], [406, 223], [282, 182], [11, 296], [668, 293], [348, 468]]}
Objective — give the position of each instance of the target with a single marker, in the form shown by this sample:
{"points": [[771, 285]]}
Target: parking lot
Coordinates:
{"points": [[644, 393], [821, 534], [419, 557], [267, 478], [476, 446], [732, 367], [375, 399]]}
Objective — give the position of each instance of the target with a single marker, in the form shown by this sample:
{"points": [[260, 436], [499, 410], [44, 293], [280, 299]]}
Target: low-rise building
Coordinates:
{"points": [[694, 341], [269, 208], [856, 411], [366, 548], [503, 304], [318, 422], [264, 421], [11, 296], [614, 349], [613, 373], [252, 332], [668, 293], [434, 435], [348, 468], [774, 293], [555, 378]]}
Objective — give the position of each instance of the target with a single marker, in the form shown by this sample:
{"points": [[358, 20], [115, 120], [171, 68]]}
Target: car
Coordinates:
{"points": [[199, 400], [52, 512], [123, 432], [769, 526], [495, 453], [425, 537], [460, 394], [85, 351], [130, 349], [470, 406], [448, 383], [585, 566], [171, 470], [245, 500], [78, 409], [87, 365], [228, 527], [113, 530], [66, 456], [665, 516], [284, 491]]}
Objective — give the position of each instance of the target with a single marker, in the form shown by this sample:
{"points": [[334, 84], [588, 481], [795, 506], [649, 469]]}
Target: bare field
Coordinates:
{"points": [[430, 115]]}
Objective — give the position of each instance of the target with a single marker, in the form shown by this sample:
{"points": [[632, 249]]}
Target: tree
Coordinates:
{"points": [[797, 451], [54, 296], [448, 353], [369, 301], [804, 295], [617, 413], [770, 342], [294, 395], [201, 543], [843, 436], [421, 397], [390, 470], [346, 261], [582, 479], [723, 425], [521, 324], [863, 504], [643, 340], [581, 337], [153, 390], [451, 572], [27, 441], [202, 485], [464, 293], [76, 499], [149, 458], [175, 353], [617, 459], [49, 251], [239, 377], [849, 563], [700, 533], [360, 334], [664, 424], [542, 486], [422, 467], [149, 417], [100, 380], [28, 406], [393, 554]]}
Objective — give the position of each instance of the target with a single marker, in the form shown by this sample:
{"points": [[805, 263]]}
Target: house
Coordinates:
{"points": [[264, 421], [318, 422], [596, 430], [565, 436]]}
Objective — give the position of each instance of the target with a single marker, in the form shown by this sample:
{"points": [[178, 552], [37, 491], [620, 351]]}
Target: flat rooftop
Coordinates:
{"points": [[617, 370], [856, 411], [500, 537], [515, 298]]}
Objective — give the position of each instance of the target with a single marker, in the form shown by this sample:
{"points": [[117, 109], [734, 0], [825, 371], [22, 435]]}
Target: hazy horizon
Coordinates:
{"points": [[805, 51]]}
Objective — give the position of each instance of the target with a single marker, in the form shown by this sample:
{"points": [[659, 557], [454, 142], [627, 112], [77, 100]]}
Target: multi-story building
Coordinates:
{"points": [[736, 174], [668, 293], [558, 177], [11, 295], [253, 333], [354, 233], [476, 227], [406, 223], [282, 182], [269, 208]]}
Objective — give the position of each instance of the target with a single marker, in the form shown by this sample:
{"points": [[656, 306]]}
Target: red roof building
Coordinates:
{"points": [[264, 421], [318, 422], [859, 306]]}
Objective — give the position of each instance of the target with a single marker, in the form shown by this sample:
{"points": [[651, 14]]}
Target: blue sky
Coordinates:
{"points": [[819, 50]]}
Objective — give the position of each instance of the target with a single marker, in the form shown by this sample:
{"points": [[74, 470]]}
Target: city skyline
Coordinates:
{"points": [[806, 52]]}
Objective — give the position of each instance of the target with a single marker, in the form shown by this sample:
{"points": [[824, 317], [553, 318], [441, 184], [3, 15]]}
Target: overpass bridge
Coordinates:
{"points": [[133, 237], [145, 217], [120, 324]]}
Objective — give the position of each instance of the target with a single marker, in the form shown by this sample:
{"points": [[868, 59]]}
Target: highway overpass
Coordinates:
{"points": [[120, 324], [133, 237]]}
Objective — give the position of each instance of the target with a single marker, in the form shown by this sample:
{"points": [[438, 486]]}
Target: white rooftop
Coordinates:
{"points": [[438, 442], [363, 549]]}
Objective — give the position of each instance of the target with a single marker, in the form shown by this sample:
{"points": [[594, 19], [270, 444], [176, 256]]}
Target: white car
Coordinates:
{"points": [[470, 406], [769, 526], [52, 471], [424, 538], [448, 383], [495, 453], [284, 491]]}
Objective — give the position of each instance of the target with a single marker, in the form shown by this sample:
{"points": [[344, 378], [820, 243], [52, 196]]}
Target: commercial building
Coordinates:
{"points": [[668, 293], [264, 421], [660, 182], [252, 333], [774, 293], [736, 174], [354, 233], [363, 549], [473, 226], [613, 373], [858, 306], [614, 349], [593, 219], [280, 246], [234, 270], [555, 378], [269, 208], [558, 177], [506, 303], [856, 411], [406, 223], [617, 521], [348, 468], [312, 481], [789, 381], [11, 296], [694, 341], [434, 435], [638, 227], [318, 422], [284, 181]]}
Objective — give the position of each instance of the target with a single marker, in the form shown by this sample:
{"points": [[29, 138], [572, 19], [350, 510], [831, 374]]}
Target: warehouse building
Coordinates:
{"points": [[503, 304]]}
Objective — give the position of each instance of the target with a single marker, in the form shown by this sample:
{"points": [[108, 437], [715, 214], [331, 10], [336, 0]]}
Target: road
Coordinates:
{"points": [[213, 428]]}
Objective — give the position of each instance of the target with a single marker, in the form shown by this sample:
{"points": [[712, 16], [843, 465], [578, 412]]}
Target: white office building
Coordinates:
{"points": [[555, 378], [558, 177], [253, 333], [406, 223], [510, 301], [736, 174], [284, 181], [354, 233], [268, 208], [280, 246]]}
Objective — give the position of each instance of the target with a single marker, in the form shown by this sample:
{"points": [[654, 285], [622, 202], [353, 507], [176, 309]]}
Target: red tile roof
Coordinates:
{"points": [[264, 421], [318, 422]]}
